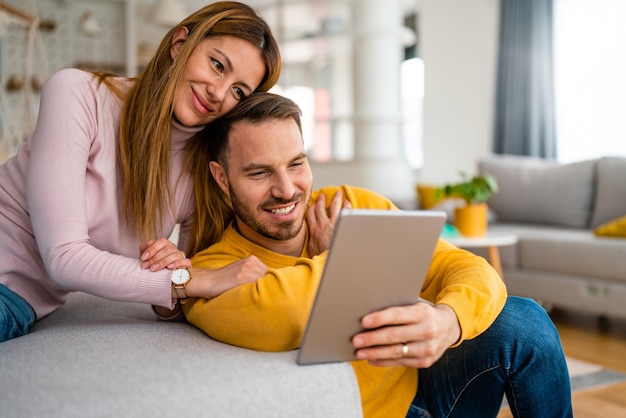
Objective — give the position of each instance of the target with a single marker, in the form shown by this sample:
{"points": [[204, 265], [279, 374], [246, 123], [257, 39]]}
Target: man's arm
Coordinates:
{"points": [[468, 295]]}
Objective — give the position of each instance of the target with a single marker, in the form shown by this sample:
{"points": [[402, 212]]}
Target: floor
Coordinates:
{"points": [[596, 340]]}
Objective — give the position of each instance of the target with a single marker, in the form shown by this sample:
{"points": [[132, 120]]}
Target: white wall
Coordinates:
{"points": [[62, 47], [458, 42]]}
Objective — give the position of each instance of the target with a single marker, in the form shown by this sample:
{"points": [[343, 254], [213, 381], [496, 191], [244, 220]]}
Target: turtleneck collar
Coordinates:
{"points": [[181, 133]]}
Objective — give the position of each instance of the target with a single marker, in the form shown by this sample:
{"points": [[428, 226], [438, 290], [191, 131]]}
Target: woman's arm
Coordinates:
{"points": [[73, 197], [269, 314]]}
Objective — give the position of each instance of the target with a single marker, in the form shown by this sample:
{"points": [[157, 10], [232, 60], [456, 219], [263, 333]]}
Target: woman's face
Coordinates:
{"points": [[220, 72]]}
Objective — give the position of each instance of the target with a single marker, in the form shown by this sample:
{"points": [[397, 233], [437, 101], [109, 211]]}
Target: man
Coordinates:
{"points": [[471, 347]]}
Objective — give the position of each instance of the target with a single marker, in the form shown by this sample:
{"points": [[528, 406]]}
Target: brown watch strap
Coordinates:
{"points": [[180, 292]]}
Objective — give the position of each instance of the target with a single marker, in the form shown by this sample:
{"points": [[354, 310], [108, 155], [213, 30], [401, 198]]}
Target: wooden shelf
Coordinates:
{"points": [[13, 11]]}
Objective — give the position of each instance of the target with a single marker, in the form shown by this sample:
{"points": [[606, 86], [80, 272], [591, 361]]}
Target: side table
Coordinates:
{"points": [[491, 242]]}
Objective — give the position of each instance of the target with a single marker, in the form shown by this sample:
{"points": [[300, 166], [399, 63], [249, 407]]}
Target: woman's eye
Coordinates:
{"points": [[218, 65], [239, 93]]}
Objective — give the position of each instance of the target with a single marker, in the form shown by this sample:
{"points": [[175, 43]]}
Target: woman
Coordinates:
{"points": [[109, 168]]}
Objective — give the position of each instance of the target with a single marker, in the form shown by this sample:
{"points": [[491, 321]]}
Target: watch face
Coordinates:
{"points": [[180, 276]]}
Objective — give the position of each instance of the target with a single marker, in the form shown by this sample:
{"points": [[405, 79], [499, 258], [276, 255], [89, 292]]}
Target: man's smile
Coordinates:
{"points": [[284, 211]]}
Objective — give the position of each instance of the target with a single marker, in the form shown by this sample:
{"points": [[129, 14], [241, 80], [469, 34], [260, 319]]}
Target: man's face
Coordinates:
{"points": [[269, 180]]}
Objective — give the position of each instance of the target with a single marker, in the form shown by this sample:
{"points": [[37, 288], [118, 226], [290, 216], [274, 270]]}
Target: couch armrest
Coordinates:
{"points": [[95, 357]]}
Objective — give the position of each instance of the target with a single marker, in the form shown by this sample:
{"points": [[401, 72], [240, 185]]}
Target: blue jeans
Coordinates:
{"points": [[519, 356], [16, 315]]}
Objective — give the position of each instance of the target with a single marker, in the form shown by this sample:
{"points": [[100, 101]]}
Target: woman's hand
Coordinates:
{"points": [[205, 283], [414, 336], [160, 254], [211, 283], [321, 223]]}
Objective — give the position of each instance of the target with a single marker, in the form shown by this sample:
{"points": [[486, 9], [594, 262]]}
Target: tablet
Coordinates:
{"points": [[377, 259]]}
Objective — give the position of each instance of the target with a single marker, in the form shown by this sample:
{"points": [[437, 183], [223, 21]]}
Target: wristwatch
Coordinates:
{"points": [[180, 278]]}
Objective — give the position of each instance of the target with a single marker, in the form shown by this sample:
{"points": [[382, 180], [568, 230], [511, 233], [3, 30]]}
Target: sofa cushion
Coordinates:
{"points": [[614, 228], [567, 251], [610, 200], [543, 191]]}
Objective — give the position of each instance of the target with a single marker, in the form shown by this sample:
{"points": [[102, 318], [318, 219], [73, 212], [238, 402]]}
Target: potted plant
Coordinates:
{"points": [[471, 219]]}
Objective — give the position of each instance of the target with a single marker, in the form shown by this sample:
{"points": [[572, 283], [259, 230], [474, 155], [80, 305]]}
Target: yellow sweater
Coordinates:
{"points": [[271, 314]]}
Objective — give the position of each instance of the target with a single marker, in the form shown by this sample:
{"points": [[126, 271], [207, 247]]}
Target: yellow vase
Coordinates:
{"points": [[427, 196], [471, 221]]}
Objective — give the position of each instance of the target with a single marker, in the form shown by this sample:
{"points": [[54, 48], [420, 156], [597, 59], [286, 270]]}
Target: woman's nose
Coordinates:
{"points": [[217, 91]]}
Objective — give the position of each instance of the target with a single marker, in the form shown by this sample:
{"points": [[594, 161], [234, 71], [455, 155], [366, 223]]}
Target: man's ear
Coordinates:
{"points": [[180, 35], [219, 174]]}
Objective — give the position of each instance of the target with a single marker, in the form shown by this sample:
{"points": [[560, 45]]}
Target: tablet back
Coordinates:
{"points": [[377, 259]]}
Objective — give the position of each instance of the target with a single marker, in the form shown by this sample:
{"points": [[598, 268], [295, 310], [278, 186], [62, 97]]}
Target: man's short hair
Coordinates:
{"points": [[254, 109]]}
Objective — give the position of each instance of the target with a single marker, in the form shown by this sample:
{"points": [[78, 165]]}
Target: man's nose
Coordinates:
{"points": [[283, 186]]}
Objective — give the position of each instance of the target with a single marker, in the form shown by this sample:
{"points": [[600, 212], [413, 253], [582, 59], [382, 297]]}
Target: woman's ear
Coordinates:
{"points": [[219, 174], [180, 35]]}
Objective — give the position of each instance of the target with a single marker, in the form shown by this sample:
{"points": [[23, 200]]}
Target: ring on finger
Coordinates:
{"points": [[405, 350]]}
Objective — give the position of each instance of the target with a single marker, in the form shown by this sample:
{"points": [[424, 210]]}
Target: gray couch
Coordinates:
{"points": [[553, 208], [98, 358]]}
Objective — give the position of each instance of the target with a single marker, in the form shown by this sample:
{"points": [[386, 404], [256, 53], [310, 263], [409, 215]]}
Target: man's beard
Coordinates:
{"points": [[279, 231]]}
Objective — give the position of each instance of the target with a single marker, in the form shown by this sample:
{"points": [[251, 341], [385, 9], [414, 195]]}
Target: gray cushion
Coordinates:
{"points": [[98, 358], [541, 191], [611, 190], [561, 250]]}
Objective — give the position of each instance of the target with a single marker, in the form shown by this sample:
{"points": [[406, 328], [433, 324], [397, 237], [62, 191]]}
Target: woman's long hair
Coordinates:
{"points": [[145, 128], [256, 108]]}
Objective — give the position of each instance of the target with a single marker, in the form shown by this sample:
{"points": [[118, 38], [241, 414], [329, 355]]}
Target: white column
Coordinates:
{"points": [[342, 104], [378, 53], [378, 162]]}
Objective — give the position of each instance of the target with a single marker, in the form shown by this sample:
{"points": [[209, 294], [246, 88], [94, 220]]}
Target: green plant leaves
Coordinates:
{"points": [[476, 189]]}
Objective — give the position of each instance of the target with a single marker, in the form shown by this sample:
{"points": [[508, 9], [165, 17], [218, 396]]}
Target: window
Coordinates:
{"points": [[317, 48], [590, 81], [412, 109], [331, 139]]}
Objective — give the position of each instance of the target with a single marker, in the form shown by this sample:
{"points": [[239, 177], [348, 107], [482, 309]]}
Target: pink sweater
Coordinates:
{"points": [[61, 227]]}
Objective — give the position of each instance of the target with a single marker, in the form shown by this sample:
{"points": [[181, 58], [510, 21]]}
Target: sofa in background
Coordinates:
{"points": [[558, 211], [99, 358]]}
